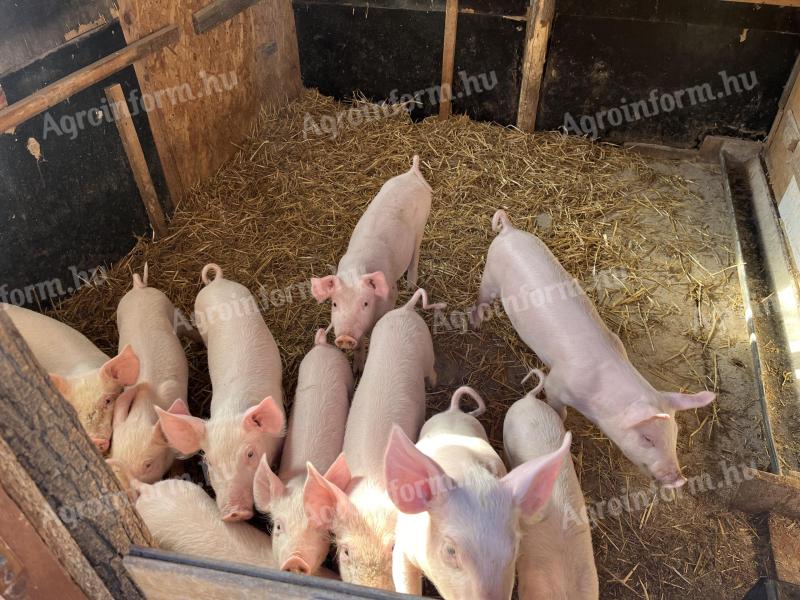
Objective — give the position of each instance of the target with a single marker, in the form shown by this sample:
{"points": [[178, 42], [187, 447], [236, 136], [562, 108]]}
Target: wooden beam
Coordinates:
{"points": [[136, 159], [448, 58], [49, 96], [217, 12], [761, 492], [771, 2], [540, 22], [55, 475], [32, 570]]}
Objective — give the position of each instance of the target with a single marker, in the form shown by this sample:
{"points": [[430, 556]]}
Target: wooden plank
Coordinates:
{"points": [[761, 492], [49, 96], [39, 574], [56, 476], [201, 579], [448, 58], [784, 539], [226, 76], [217, 12], [136, 159], [540, 22], [770, 2], [783, 155]]}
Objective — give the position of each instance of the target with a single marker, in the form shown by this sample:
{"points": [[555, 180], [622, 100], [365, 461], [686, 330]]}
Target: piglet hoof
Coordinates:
{"points": [[432, 380], [476, 317]]}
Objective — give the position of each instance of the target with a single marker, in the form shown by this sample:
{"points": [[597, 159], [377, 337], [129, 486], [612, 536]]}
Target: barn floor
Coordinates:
{"points": [[650, 240]]}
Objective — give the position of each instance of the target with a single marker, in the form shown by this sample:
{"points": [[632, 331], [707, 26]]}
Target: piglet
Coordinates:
{"points": [[145, 319], [391, 393], [556, 559], [589, 368], [88, 379], [247, 418], [183, 518], [315, 435], [384, 245], [460, 513]]}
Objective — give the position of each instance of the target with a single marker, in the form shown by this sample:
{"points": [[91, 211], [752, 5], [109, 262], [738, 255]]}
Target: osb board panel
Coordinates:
{"points": [[783, 153], [254, 57]]}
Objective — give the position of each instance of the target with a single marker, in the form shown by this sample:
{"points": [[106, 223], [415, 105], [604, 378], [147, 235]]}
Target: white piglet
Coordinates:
{"points": [[315, 435], [556, 559], [589, 368], [145, 319], [385, 244], [391, 393], [88, 379], [460, 513], [247, 419], [184, 519]]}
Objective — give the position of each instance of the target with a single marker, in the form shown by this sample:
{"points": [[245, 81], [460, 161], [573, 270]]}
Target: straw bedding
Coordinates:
{"points": [[282, 210]]}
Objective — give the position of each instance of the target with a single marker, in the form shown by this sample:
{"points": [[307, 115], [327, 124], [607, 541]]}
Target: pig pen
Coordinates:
{"points": [[651, 242]]}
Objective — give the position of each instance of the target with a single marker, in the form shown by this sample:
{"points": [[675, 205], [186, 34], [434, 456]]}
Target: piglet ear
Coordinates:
{"points": [[266, 417], [183, 432], [413, 480], [176, 408], [678, 401], [266, 485], [639, 413], [531, 483], [123, 403], [322, 288], [377, 281], [322, 499], [60, 383], [123, 369], [339, 473]]}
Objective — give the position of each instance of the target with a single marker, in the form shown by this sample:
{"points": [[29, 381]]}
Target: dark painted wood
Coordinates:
{"points": [[389, 54], [596, 64], [78, 207], [510, 8], [32, 28]]}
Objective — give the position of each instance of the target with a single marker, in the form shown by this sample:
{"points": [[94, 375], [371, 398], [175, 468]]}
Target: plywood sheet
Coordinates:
{"points": [[204, 93]]}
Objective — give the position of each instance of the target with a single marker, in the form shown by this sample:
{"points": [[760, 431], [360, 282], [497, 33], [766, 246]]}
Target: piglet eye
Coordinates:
{"points": [[366, 304], [334, 305], [250, 454]]}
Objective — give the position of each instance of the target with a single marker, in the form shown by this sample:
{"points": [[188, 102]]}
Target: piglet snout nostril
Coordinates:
{"points": [[296, 564], [237, 515], [346, 342]]}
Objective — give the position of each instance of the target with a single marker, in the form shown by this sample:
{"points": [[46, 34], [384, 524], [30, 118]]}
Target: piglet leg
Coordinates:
{"points": [[486, 295], [360, 357], [413, 268]]}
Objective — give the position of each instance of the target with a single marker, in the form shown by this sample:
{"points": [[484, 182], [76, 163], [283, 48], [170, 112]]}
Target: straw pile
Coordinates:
{"points": [[282, 210]]}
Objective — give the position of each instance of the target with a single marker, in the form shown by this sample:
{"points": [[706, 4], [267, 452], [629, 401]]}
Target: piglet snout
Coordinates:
{"points": [[678, 481], [346, 342], [237, 514], [101, 443], [296, 564]]}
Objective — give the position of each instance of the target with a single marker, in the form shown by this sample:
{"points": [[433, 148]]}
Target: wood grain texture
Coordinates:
{"points": [[540, 22], [49, 96], [41, 576], [136, 159], [762, 492], [448, 57], [49, 467], [217, 12], [200, 133]]}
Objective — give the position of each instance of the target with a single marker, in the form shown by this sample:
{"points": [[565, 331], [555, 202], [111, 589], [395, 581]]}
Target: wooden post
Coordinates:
{"points": [[55, 475], [49, 96], [133, 150], [448, 58], [761, 492], [540, 21]]}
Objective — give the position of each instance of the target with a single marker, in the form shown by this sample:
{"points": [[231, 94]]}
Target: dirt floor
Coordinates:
{"points": [[649, 240]]}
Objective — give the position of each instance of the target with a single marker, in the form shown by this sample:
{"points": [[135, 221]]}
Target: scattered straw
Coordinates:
{"points": [[283, 209]]}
